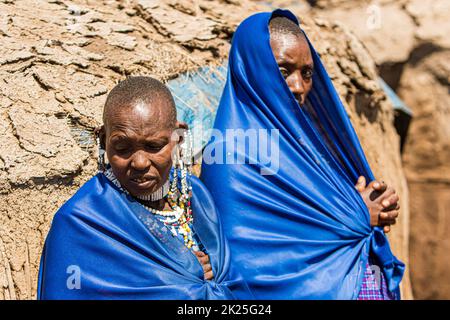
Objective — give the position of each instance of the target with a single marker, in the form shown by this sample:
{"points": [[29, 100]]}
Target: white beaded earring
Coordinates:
{"points": [[101, 156]]}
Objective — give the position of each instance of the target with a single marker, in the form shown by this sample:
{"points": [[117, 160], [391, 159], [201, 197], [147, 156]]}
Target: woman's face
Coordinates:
{"points": [[295, 62], [139, 147]]}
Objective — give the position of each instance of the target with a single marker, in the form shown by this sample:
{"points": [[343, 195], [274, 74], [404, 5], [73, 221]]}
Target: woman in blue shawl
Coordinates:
{"points": [[133, 231], [297, 226]]}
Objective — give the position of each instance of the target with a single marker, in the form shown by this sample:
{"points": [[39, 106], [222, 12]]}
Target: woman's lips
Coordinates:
{"points": [[143, 182]]}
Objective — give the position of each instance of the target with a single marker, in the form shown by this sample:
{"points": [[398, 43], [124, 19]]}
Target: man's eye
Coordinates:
{"points": [[307, 74], [284, 72]]}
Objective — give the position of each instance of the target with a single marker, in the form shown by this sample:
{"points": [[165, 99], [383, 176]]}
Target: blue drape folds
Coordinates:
{"points": [[99, 236], [302, 232]]}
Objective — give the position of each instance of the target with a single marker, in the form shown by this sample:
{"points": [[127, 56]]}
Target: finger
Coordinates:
{"points": [[206, 268], [392, 222], [389, 215], [379, 186], [394, 207], [380, 196], [209, 275], [387, 222], [203, 260], [361, 184], [377, 192], [386, 217], [383, 218], [199, 253], [386, 229], [390, 202]]}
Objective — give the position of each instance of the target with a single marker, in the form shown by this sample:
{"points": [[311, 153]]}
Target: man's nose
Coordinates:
{"points": [[140, 161], [297, 86]]}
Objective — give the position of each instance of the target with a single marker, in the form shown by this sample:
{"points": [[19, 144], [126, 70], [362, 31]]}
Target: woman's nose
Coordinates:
{"points": [[140, 161]]}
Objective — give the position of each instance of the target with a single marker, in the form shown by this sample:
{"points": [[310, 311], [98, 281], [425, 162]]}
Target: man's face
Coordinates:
{"points": [[295, 62], [139, 146]]}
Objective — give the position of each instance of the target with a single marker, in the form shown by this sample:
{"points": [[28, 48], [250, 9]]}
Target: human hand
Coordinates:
{"points": [[382, 202], [203, 258]]}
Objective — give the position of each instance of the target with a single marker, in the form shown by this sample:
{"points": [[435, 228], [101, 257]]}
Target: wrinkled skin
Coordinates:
{"points": [[295, 62], [139, 144]]}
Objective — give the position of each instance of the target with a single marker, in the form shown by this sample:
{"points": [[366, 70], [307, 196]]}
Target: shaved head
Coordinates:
{"points": [[279, 25], [140, 93]]}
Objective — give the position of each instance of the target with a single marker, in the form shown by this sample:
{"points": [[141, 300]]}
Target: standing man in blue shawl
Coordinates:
{"points": [[135, 230], [297, 226]]}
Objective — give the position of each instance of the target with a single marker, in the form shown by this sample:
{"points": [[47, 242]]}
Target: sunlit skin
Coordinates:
{"points": [[295, 63], [138, 143], [382, 202]]}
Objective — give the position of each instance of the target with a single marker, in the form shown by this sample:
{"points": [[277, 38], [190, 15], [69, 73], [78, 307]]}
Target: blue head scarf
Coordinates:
{"points": [[104, 245], [298, 228]]}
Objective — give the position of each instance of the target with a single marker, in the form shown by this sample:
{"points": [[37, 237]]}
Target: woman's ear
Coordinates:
{"points": [[181, 125], [180, 128]]}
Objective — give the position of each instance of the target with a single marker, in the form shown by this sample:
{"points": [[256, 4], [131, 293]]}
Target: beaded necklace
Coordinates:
{"points": [[178, 220]]}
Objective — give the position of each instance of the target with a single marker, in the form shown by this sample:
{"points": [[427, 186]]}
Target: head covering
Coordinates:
{"points": [[99, 247], [298, 228]]}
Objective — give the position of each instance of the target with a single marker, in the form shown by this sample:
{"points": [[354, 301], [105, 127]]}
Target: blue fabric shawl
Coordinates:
{"points": [[99, 233], [303, 232]]}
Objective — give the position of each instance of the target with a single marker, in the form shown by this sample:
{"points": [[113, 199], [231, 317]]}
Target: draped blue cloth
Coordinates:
{"points": [[98, 233], [304, 231]]}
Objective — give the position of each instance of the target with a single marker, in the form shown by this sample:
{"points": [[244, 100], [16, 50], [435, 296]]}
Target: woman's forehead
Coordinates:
{"points": [[140, 132], [142, 117], [142, 109]]}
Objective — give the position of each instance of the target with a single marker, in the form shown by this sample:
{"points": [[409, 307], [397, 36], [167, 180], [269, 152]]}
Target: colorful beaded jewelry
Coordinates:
{"points": [[180, 200]]}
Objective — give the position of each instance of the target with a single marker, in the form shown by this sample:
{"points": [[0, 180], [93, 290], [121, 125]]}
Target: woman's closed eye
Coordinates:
{"points": [[154, 147], [122, 148]]}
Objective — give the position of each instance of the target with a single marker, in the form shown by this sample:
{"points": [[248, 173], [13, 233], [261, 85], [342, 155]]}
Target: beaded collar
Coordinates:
{"points": [[177, 221]]}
